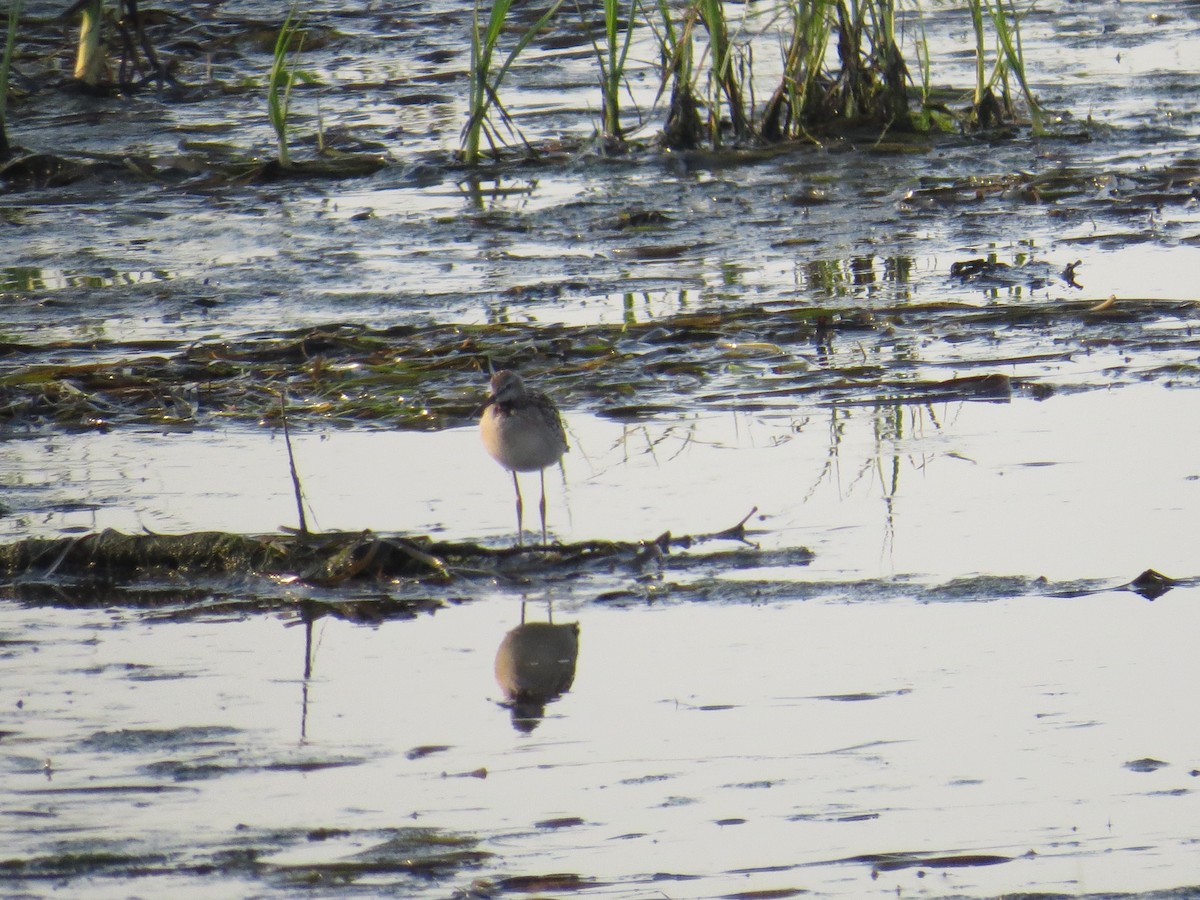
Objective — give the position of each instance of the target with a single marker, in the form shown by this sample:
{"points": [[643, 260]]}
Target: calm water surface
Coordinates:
{"points": [[748, 747]]}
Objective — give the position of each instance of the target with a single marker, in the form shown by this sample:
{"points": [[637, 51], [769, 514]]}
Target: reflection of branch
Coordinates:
{"points": [[687, 442], [653, 442], [884, 465], [865, 468], [889, 431], [308, 615]]}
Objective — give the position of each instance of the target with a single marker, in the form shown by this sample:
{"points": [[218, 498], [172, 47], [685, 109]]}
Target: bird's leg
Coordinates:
{"points": [[542, 505], [520, 511]]}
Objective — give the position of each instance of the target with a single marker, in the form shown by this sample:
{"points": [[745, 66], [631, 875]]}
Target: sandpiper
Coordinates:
{"points": [[523, 431]]}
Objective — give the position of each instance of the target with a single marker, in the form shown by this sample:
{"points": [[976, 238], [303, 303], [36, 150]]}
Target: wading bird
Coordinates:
{"points": [[523, 431]]}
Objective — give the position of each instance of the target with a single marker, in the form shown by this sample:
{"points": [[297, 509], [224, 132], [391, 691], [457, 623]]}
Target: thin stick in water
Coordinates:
{"points": [[287, 439]]}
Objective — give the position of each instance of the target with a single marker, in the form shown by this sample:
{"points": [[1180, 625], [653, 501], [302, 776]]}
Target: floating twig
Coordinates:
{"points": [[736, 532], [732, 533]]}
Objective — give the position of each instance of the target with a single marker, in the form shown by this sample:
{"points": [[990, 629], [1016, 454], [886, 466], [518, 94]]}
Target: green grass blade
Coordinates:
{"points": [[10, 39], [1010, 42], [482, 91], [89, 60], [282, 77], [485, 87]]}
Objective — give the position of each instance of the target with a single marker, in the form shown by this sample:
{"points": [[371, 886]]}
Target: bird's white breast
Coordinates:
{"points": [[516, 445]]}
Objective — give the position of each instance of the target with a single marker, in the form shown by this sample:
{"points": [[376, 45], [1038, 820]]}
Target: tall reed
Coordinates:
{"points": [[485, 79], [853, 78], [283, 77], [89, 59], [981, 80], [1010, 58], [924, 66], [931, 115], [683, 128], [612, 58], [797, 97], [893, 73], [10, 39], [722, 75], [1009, 37]]}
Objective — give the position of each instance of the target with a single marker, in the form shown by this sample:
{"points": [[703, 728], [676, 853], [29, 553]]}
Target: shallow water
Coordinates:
{"points": [[1101, 484], [954, 694], [710, 748]]}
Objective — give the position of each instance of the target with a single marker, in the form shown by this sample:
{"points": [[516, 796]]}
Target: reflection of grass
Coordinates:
{"points": [[669, 302], [23, 279], [868, 277], [886, 462]]}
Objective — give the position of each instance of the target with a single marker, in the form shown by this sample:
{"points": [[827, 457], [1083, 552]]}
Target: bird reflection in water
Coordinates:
{"points": [[534, 665]]}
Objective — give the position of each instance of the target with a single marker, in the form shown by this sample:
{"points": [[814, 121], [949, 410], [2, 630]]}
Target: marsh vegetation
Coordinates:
{"points": [[682, 76]]}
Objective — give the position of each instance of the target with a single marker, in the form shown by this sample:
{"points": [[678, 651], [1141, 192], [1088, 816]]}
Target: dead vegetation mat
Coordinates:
{"points": [[355, 574], [366, 577], [749, 358]]}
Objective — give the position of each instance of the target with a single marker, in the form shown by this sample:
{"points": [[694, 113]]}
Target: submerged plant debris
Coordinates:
{"points": [[370, 577], [389, 859], [400, 575], [759, 357]]}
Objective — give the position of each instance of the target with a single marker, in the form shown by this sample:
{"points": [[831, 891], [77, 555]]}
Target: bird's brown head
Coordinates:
{"points": [[507, 387]]}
